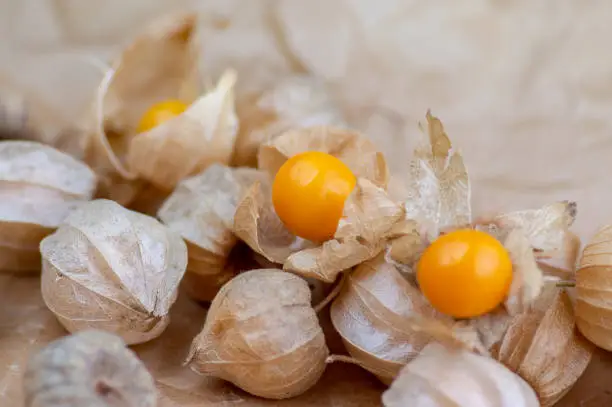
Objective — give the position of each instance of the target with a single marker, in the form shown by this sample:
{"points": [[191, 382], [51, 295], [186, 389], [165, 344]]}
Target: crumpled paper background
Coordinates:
{"points": [[523, 87]]}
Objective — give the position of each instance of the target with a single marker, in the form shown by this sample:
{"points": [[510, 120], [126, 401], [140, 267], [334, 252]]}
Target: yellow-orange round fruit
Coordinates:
{"points": [[465, 273], [159, 113], [309, 192]]}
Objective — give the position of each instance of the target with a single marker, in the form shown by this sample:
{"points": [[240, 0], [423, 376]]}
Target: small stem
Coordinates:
{"points": [[566, 283], [332, 294]]}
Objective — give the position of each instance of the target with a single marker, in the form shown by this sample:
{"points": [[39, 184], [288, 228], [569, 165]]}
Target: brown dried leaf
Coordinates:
{"points": [[160, 64], [39, 186], [187, 144], [294, 102], [374, 314], [438, 185], [201, 209], [262, 334], [546, 228], [544, 347], [527, 278], [94, 368], [445, 377], [368, 217], [594, 290], [113, 269], [355, 150]]}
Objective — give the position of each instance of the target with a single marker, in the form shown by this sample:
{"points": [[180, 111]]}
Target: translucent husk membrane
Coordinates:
{"points": [[113, 269], [201, 209], [262, 334], [39, 187]]}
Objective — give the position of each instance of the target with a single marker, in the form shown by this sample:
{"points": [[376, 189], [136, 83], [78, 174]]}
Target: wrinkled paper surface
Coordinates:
{"points": [[532, 123]]}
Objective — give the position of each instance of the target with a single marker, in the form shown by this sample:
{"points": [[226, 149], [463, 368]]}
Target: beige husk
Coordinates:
{"points": [[369, 214], [594, 290], [160, 64], [294, 102], [445, 377], [262, 335], [354, 149], [373, 315], [95, 369], [109, 268], [39, 186], [201, 209], [544, 347], [187, 144]]}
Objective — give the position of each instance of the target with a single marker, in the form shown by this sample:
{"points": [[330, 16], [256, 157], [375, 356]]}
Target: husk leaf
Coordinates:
{"points": [[262, 334], [594, 290], [444, 377], [373, 314], [201, 209], [160, 64], [187, 144], [368, 218], [113, 269], [546, 228], [438, 191], [544, 347], [294, 102], [39, 186], [355, 150]]}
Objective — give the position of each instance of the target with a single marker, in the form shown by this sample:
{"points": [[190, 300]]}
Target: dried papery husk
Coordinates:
{"points": [[160, 64], [547, 228], [92, 368], [593, 305], [355, 150], [438, 189], [294, 102], [368, 217], [201, 209], [544, 347], [445, 377], [39, 186], [110, 268], [374, 314], [186, 144], [262, 334]]}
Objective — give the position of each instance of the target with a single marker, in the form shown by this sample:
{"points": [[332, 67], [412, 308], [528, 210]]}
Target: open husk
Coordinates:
{"points": [[158, 65], [201, 209], [187, 144], [373, 315], [445, 377], [594, 290], [294, 102], [39, 186], [262, 334], [544, 347], [438, 191], [368, 218], [109, 268]]}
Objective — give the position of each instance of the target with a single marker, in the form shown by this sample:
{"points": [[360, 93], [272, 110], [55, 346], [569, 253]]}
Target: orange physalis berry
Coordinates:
{"points": [[309, 192], [465, 273], [159, 113]]}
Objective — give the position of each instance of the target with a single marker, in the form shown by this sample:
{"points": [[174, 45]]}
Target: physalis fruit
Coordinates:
{"points": [[309, 192], [159, 113], [465, 273]]}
